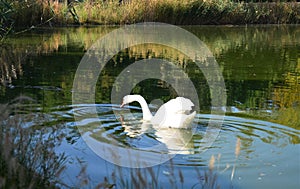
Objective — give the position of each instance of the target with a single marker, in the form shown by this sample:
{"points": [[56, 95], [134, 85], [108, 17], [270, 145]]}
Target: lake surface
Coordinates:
{"points": [[257, 145]]}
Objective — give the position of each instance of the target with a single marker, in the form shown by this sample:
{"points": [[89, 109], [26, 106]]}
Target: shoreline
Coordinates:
{"points": [[33, 14], [186, 12]]}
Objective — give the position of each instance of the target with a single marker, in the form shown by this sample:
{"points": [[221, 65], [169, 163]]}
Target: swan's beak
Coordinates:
{"points": [[122, 105]]}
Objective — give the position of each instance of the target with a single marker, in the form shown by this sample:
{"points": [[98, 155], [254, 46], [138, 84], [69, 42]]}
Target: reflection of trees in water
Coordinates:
{"points": [[287, 97], [287, 94], [16, 50], [258, 60], [219, 40], [10, 64]]}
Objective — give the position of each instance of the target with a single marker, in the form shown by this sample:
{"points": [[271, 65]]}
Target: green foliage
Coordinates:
{"points": [[6, 20], [32, 12]]}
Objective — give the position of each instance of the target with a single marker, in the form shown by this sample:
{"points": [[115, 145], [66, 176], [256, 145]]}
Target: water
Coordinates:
{"points": [[259, 138]]}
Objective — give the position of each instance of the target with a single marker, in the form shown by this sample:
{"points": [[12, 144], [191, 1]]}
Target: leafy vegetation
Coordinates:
{"points": [[6, 21]]}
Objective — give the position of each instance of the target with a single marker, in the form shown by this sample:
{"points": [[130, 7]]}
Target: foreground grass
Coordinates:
{"points": [[27, 158], [136, 178]]}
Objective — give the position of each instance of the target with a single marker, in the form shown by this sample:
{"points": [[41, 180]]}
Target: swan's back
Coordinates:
{"points": [[180, 105], [176, 113]]}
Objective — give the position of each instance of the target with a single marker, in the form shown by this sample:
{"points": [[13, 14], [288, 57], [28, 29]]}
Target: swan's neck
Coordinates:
{"points": [[147, 116]]}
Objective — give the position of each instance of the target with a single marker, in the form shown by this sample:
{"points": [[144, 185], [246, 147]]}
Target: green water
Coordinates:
{"points": [[260, 66]]}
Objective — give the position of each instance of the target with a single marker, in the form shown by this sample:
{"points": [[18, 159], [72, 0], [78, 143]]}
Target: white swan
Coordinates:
{"points": [[176, 113]]}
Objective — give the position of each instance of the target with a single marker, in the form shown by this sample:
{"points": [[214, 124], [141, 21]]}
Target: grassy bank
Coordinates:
{"points": [[181, 12], [189, 12]]}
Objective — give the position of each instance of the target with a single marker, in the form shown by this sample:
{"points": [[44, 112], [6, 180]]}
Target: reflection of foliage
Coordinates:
{"points": [[10, 64], [287, 97], [289, 116], [254, 61]]}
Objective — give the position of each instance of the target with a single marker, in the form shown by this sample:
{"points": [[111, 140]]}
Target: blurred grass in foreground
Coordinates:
{"points": [[27, 157]]}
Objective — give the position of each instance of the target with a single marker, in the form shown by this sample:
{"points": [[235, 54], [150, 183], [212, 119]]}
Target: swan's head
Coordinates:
{"points": [[128, 99]]}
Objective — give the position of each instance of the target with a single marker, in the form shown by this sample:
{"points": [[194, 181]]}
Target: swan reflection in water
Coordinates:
{"points": [[174, 141]]}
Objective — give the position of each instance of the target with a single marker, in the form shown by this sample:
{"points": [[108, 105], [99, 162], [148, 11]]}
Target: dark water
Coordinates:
{"points": [[261, 69]]}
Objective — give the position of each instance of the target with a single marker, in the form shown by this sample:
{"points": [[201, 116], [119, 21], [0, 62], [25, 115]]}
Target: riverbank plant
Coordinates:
{"points": [[20, 16], [187, 12], [31, 13], [6, 21]]}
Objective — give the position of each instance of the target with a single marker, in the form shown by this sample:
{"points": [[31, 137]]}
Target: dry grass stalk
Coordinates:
{"points": [[237, 153], [181, 177], [211, 163], [237, 147]]}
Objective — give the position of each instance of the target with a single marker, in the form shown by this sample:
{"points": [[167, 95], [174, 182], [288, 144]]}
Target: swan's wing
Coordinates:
{"points": [[185, 105], [176, 113], [173, 120], [179, 105]]}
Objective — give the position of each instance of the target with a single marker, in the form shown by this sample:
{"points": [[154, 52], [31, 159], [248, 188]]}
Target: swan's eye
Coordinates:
{"points": [[193, 108], [191, 111]]}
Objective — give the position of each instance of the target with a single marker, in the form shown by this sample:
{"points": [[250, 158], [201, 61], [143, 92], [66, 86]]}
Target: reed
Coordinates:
{"points": [[34, 13], [237, 153], [188, 12], [182, 12]]}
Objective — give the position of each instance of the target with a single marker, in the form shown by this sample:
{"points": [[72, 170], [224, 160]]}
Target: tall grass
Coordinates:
{"points": [[186, 12], [27, 158], [183, 12], [33, 13]]}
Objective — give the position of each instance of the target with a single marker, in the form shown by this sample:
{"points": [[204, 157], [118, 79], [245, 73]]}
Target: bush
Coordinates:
{"points": [[6, 21]]}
